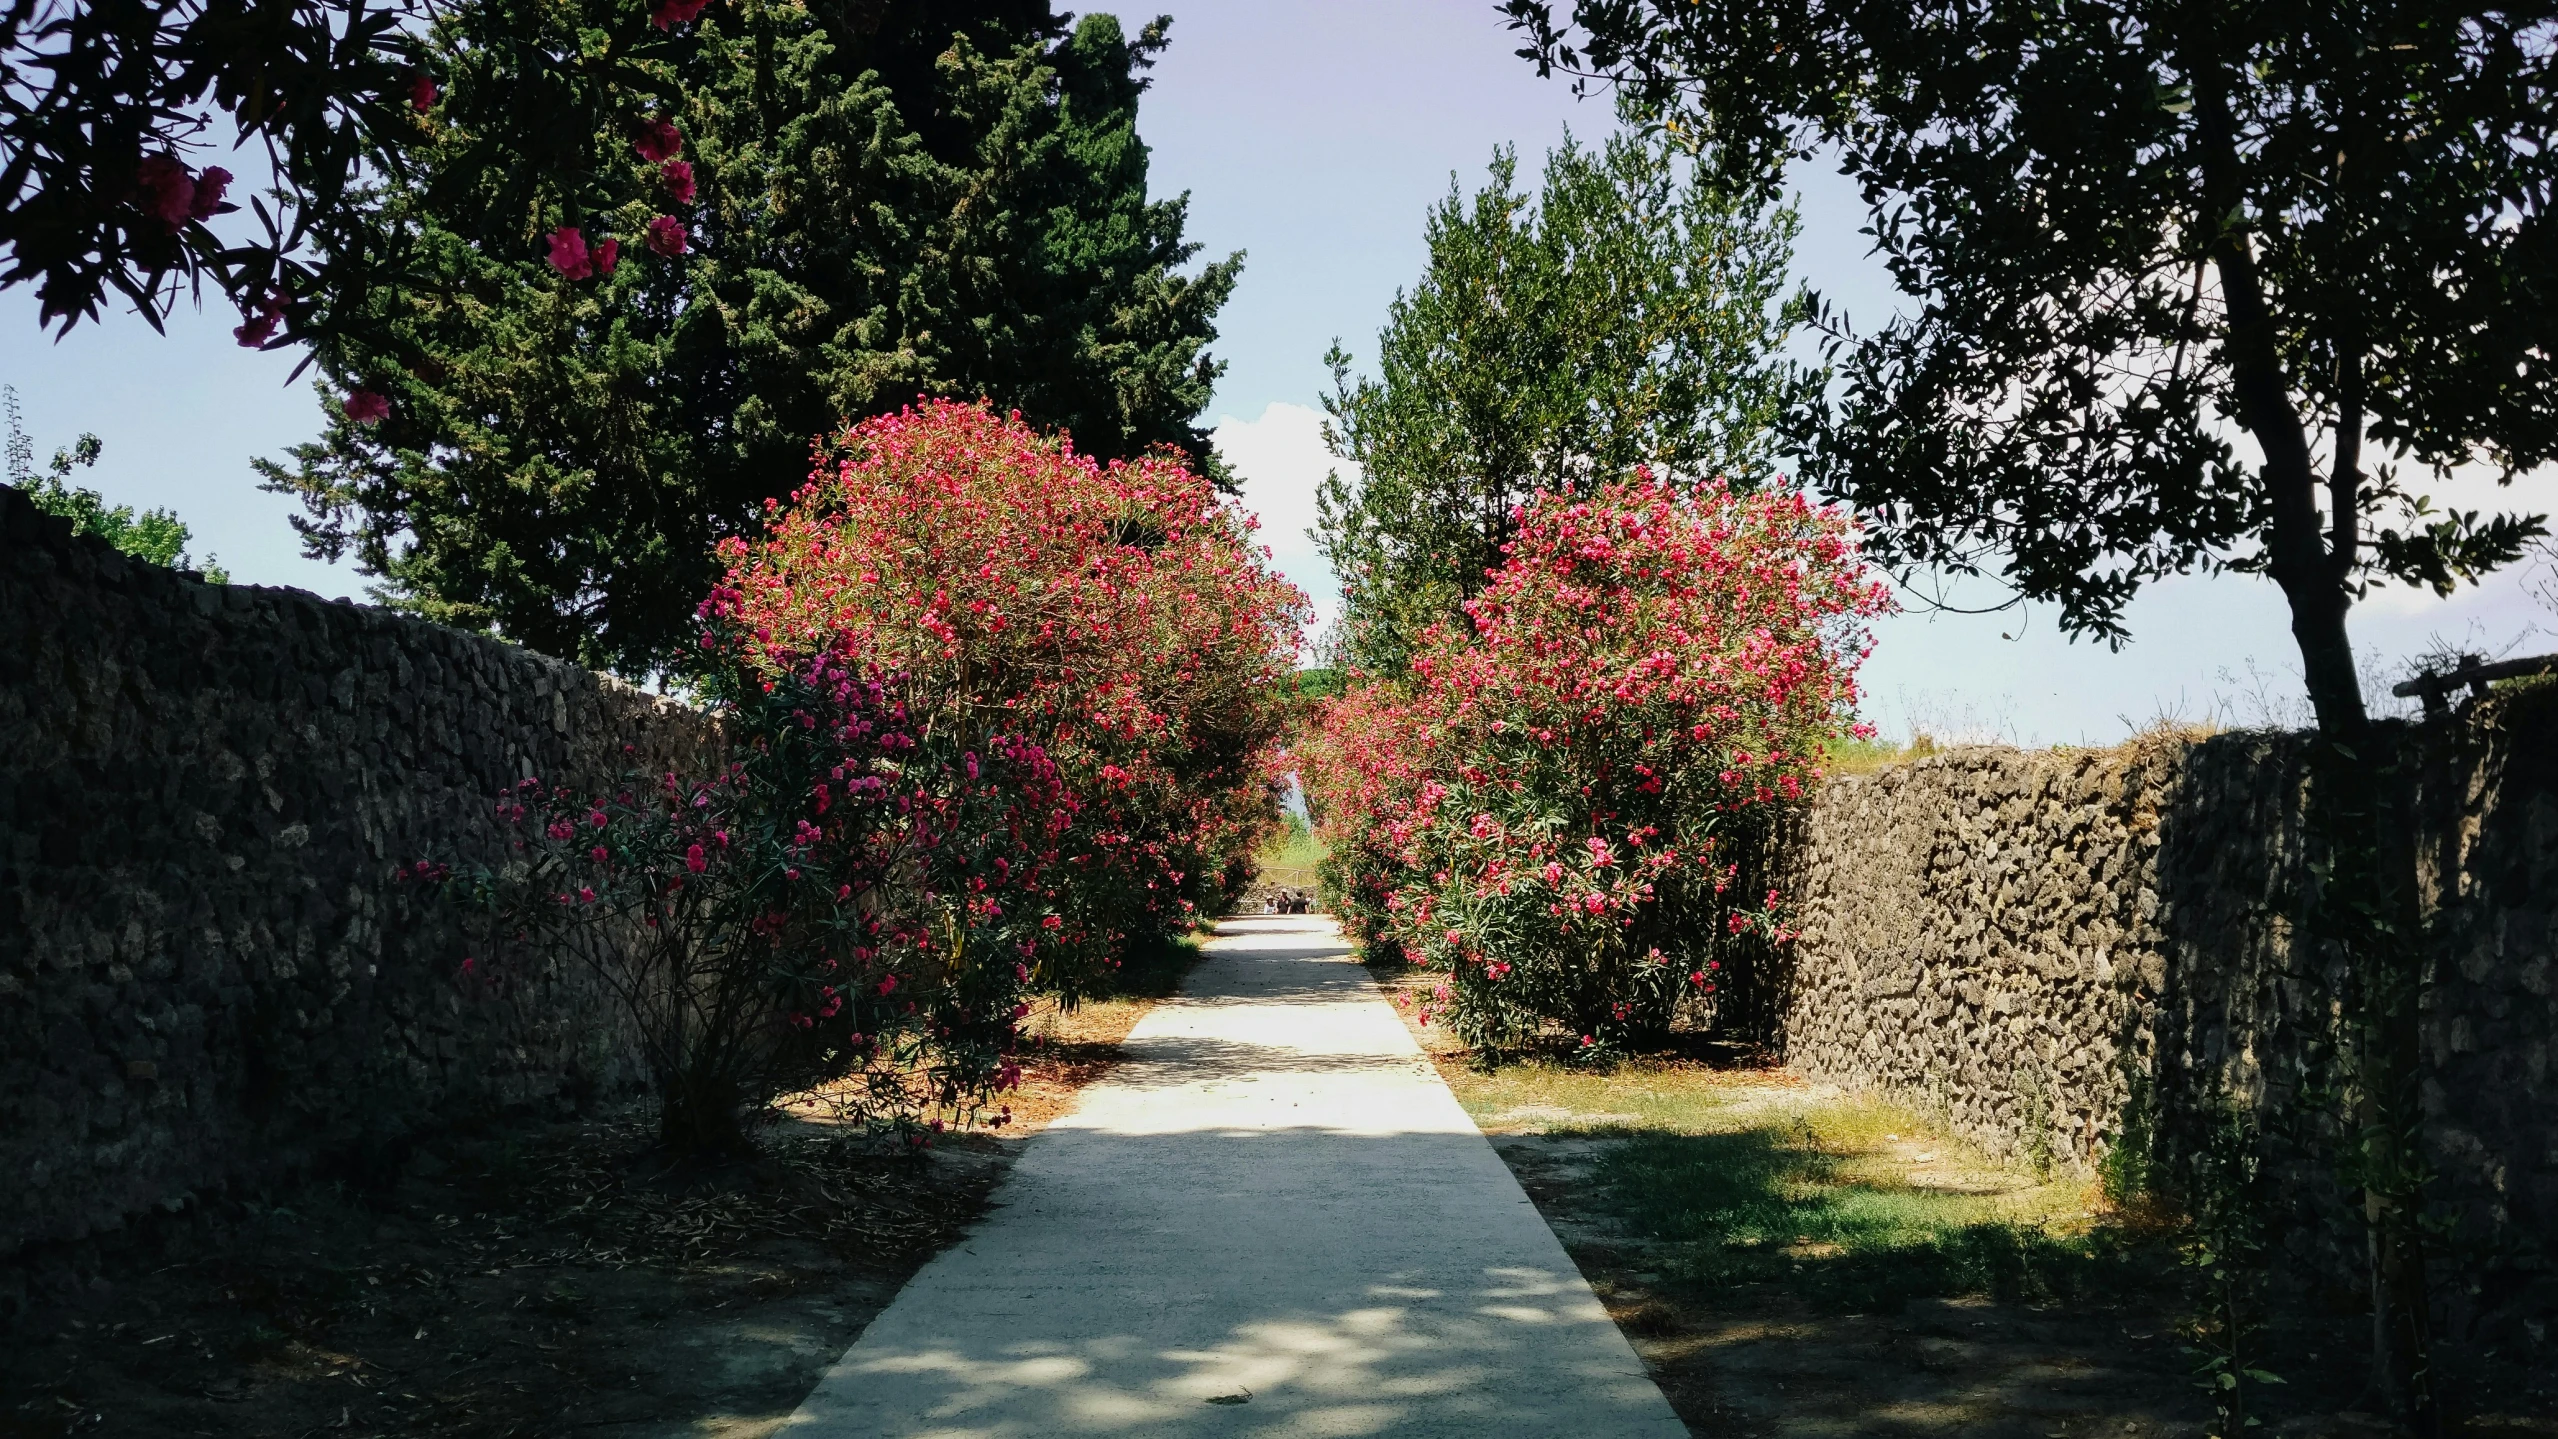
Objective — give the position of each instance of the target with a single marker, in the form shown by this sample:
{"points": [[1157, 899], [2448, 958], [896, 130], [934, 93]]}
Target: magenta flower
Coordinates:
{"points": [[257, 327], [659, 141], [568, 253], [678, 175], [667, 237], [208, 192], [671, 13], [168, 191], [607, 254], [365, 407], [695, 860], [423, 93]]}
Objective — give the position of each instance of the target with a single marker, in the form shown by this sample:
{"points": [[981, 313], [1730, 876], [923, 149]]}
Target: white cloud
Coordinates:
{"points": [[1280, 460]]}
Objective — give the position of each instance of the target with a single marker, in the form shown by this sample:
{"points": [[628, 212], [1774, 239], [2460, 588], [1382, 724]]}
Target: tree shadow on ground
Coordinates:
{"points": [[1771, 1207], [1772, 1294]]}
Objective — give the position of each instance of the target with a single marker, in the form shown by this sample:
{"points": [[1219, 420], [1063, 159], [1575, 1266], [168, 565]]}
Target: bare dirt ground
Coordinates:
{"points": [[542, 1280], [2066, 1322]]}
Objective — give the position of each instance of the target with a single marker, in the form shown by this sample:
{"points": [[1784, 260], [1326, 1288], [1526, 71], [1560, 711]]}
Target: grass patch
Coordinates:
{"points": [[1865, 756], [1291, 856], [1734, 1181], [1852, 1228]]}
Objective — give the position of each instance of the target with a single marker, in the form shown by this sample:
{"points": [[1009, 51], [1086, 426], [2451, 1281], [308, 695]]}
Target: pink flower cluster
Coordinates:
{"points": [[1558, 808], [847, 895], [1116, 614], [174, 196], [260, 319], [576, 257]]}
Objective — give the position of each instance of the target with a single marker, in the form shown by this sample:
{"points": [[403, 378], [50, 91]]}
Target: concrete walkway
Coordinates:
{"points": [[1273, 1219]]}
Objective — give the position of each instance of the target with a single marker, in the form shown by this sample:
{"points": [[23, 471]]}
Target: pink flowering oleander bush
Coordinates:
{"points": [[853, 896], [1361, 767], [1556, 809], [1117, 614]]}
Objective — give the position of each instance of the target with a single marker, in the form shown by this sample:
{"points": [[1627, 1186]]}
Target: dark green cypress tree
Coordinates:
{"points": [[888, 200]]}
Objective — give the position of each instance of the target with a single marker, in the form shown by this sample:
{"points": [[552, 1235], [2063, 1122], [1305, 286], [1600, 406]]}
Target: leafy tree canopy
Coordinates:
{"points": [[818, 212], [111, 110], [1629, 315], [156, 536], [2131, 225]]}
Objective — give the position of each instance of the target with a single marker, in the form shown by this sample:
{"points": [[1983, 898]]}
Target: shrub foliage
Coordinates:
{"points": [[998, 714], [1116, 614], [847, 895], [1554, 810], [803, 213]]}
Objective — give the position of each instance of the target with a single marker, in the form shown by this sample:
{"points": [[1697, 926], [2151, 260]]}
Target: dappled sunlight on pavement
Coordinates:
{"points": [[1273, 1219]]}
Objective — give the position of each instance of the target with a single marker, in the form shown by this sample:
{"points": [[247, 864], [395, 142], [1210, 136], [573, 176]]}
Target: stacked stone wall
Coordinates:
{"points": [[2047, 947], [211, 972]]}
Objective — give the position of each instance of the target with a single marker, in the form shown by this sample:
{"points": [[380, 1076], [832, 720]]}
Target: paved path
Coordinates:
{"points": [[1274, 1197]]}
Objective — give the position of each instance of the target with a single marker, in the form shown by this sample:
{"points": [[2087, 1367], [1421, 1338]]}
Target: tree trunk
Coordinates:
{"points": [[2368, 899]]}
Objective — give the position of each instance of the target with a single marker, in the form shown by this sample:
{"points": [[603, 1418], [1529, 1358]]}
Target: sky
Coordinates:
{"points": [[1313, 135]]}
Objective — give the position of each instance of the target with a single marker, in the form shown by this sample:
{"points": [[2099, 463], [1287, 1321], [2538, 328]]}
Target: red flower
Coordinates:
{"points": [[1103, 656], [607, 254], [678, 175], [666, 236], [168, 192], [569, 255], [423, 93], [671, 13], [258, 327], [208, 192], [695, 860], [365, 407], [659, 140]]}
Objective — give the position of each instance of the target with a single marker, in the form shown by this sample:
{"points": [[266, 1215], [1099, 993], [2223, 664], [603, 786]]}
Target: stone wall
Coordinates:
{"points": [[210, 973], [2026, 942]]}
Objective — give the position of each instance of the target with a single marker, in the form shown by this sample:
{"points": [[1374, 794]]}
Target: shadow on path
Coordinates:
{"points": [[1274, 1219]]}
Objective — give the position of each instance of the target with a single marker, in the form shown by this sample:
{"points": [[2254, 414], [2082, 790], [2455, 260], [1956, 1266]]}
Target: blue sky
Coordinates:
{"points": [[1313, 134]]}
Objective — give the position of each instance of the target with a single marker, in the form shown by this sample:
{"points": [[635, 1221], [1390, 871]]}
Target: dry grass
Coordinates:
{"points": [[1289, 860], [1796, 1262], [1865, 756], [1751, 1176], [1789, 1259]]}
